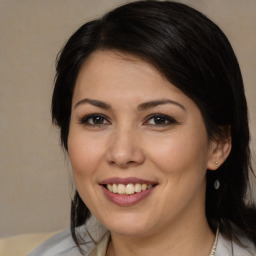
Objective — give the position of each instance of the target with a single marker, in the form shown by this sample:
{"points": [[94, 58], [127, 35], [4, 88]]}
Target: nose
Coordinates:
{"points": [[125, 149]]}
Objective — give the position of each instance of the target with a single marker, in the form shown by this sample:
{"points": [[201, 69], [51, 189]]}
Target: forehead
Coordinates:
{"points": [[126, 82], [101, 62], [107, 70]]}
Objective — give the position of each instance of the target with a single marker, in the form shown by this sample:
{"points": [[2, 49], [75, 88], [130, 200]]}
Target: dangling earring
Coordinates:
{"points": [[216, 184]]}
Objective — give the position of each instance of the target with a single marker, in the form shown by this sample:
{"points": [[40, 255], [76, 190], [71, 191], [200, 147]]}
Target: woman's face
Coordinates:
{"points": [[132, 128]]}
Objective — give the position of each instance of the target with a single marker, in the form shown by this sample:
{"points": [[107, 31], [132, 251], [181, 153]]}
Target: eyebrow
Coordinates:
{"points": [[141, 107], [154, 103], [96, 103]]}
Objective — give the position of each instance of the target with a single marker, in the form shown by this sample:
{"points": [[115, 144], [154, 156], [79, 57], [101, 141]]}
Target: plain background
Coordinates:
{"points": [[34, 180]]}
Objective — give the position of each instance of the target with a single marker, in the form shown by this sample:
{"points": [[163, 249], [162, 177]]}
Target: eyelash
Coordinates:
{"points": [[169, 120], [85, 120]]}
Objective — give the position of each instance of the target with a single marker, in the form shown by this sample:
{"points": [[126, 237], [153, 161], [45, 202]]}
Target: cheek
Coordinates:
{"points": [[181, 163], [181, 153], [85, 154], [84, 158]]}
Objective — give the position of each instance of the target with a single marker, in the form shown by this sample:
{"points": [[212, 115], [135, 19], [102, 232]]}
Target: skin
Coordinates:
{"points": [[129, 142]]}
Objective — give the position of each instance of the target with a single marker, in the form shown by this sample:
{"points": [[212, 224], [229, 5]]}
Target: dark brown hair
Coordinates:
{"points": [[194, 55]]}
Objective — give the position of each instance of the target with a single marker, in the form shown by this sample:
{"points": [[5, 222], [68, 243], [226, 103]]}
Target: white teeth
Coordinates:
{"points": [[128, 189], [137, 188], [121, 189], [143, 187], [114, 188], [109, 186]]}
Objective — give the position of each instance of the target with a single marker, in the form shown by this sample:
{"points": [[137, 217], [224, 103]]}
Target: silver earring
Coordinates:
{"points": [[216, 184], [216, 162]]}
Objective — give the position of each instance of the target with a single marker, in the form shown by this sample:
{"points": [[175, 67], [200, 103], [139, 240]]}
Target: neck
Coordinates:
{"points": [[194, 238]]}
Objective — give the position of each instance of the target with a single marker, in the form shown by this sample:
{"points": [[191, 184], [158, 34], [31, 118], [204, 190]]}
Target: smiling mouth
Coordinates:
{"points": [[126, 192], [128, 189]]}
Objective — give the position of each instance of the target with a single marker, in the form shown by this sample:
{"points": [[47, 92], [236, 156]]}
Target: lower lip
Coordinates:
{"points": [[126, 200]]}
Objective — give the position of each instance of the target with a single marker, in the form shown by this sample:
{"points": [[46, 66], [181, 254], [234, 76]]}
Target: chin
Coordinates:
{"points": [[128, 230], [127, 225]]}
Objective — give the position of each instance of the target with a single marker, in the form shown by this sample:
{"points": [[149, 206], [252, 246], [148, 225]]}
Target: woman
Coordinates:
{"points": [[151, 108]]}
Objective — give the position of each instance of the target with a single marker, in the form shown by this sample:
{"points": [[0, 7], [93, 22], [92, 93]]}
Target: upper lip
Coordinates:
{"points": [[125, 181]]}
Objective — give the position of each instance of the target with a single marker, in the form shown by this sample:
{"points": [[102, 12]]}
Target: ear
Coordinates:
{"points": [[219, 150]]}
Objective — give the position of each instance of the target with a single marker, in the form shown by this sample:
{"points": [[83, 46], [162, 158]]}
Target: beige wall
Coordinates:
{"points": [[34, 179]]}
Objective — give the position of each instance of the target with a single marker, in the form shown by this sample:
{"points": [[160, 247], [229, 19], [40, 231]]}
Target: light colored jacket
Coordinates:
{"points": [[96, 241], [97, 238]]}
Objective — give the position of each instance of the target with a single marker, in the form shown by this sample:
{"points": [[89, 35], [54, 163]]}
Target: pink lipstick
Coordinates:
{"points": [[127, 191]]}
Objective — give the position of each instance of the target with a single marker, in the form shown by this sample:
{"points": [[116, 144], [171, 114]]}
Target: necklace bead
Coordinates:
{"points": [[213, 250]]}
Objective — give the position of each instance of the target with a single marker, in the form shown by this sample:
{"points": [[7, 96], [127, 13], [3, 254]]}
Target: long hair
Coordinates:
{"points": [[194, 55]]}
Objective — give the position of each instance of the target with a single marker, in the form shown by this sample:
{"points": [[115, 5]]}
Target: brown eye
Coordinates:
{"points": [[95, 120], [160, 120]]}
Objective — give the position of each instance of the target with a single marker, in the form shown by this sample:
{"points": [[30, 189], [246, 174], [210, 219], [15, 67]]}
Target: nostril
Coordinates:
{"points": [[123, 164], [125, 153]]}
